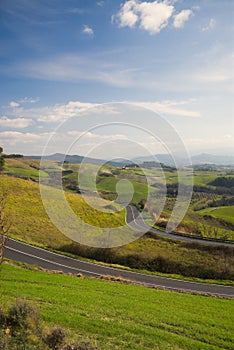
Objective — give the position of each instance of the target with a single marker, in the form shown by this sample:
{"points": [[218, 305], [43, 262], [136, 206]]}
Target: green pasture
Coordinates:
{"points": [[113, 315], [225, 213]]}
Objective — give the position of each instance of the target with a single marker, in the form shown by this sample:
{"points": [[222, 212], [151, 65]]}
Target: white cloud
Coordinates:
{"points": [[96, 137], [150, 16], [214, 76], [14, 104], [51, 116], [15, 137], [75, 67], [181, 18], [218, 71], [127, 16], [210, 26], [196, 8], [17, 123], [154, 16], [75, 10], [58, 113], [29, 100], [171, 108], [100, 3], [217, 143], [88, 30]]}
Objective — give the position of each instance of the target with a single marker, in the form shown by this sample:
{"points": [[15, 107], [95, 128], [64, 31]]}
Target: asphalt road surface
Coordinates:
{"points": [[135, 220], [26, 253]]}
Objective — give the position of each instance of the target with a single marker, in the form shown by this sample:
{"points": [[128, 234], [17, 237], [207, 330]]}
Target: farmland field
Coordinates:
{"points": [[225, 213], [118, 316]]}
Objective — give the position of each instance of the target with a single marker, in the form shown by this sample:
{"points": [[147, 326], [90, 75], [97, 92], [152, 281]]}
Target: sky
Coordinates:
{"points": [[59, 58]]}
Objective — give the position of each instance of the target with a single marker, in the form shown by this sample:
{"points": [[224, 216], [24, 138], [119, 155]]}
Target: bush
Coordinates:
{"points": [[55, 339], [20, 330], [3, 317], [22, 322], [22, 316]]}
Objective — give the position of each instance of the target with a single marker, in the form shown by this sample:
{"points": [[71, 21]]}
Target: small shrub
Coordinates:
{"points": [[55, 339], [20, 330], [19, 315], [3, 318], [20, 327]]}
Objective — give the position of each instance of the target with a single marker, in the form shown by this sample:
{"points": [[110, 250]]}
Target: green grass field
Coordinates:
{"points": [[140, 190], [23, 167], [225, 213], [118, 316]]}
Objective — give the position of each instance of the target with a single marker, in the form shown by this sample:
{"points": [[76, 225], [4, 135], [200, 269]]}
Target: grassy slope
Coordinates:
{"points": [[123, 316], [30, 221], [140, 189], [205, 177], [23, 167], [225, 213]]}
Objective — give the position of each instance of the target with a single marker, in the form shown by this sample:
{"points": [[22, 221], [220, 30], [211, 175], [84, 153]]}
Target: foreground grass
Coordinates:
{"points": [[121, 316]]}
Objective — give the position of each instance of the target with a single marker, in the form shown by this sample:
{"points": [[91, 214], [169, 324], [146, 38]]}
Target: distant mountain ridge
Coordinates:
{"points": [[167, 159], [60, 157], [203, 158]]}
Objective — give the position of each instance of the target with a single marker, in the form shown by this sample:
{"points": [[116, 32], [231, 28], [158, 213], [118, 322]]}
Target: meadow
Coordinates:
{"points": [[119, 316], [225, 213]]}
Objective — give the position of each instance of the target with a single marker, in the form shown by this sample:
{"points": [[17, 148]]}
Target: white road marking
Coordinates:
{"points": [[115, 269]]}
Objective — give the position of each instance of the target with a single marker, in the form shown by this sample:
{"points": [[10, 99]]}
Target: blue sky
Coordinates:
{"points": [[59, 57]]}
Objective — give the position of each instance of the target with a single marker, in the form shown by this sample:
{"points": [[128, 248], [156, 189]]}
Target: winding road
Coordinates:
{"points": [[22, 252], [136, 221]]}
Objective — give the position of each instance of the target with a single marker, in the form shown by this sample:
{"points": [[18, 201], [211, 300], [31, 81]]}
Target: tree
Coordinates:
{"points": [[4, 223], [4, 219], [2, 160]]}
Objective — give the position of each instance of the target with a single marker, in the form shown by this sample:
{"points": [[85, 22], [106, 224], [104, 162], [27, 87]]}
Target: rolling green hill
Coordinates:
{"points": [[225, 213]]}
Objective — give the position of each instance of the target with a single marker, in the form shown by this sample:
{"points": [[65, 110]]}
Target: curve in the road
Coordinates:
{"points": [[135, 220], [23, 252]]}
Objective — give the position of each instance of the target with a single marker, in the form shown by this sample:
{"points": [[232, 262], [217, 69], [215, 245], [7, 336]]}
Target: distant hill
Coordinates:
{"points": [[203, 158], [166, 159], [59, 157]]}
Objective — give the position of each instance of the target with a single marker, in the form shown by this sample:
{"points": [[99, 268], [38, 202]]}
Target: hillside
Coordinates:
{"points": [[31, 224], [114, 315]]}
